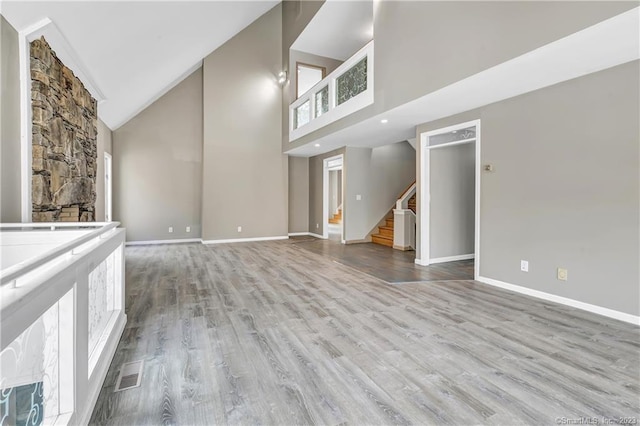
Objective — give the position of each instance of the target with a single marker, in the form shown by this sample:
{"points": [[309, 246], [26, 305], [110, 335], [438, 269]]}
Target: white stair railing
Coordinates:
{"points": [[403, 201]]}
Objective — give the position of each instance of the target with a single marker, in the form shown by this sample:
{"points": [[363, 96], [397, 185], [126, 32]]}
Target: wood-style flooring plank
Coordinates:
{"points": [[305, 332]]}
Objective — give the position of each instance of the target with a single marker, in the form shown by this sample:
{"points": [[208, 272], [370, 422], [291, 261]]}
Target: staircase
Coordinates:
{"points": [[384, 236], [385, 233], [336, 218]]}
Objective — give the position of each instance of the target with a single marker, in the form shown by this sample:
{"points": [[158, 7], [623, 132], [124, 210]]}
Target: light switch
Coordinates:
{"points": [[524, 265], [358, 197]]}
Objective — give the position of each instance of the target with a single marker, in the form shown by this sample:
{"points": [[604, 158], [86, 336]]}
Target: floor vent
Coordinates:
{"points": [[130, 376]]}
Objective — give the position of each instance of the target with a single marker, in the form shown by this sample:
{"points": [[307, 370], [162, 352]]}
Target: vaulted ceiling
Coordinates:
{"points": [[135, 51]]}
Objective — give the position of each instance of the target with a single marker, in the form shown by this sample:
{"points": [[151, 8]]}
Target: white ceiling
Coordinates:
{"points": [[607, 44], [134, 52], [338, 30]]}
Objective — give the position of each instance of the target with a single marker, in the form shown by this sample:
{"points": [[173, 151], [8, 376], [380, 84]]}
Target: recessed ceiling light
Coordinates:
{"points": [[317, 145], [454, 131], [384, 121]]}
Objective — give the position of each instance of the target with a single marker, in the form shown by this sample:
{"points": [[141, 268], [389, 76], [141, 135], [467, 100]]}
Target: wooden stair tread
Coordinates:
{"points": [[383, 237], [336, 218], [384, 240]]}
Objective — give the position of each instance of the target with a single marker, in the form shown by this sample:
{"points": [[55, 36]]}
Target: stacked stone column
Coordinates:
{"points": [[64, 138]]}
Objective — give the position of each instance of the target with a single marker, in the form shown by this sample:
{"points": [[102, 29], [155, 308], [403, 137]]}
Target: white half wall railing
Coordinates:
{"points": [[61, 318], [347, 89], [404, 223]]}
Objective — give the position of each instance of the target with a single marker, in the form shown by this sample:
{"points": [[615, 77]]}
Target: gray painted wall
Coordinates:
{"points": [[298, 194], [358, 175], [105, 143], [565, 191], [409, 64], [378, 175], [157, 166], [452, 207], [296, 15], [10, 194], [245, 179]]}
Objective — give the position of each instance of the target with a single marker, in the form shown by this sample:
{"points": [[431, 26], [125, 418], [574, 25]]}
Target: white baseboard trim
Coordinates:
{"points": [[299, 234], [621, 316], [245, 240], [421, 262], [452, 258], [152, 242], [316, 235], [366, 240]]}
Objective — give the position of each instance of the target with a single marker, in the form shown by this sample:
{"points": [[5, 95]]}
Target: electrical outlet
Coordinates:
{"points": [[317, 226], [239, 228], [170, 229], [563, 274], [358, 197], [188, 229], [524, 265]]}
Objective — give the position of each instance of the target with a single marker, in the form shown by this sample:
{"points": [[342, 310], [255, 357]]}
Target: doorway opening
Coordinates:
{"points": [[108, 188], [450, 195], [332, 204], [308, 76]]}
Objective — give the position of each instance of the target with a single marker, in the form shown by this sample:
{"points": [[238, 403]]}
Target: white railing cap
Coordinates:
{"points": [[13, 272]]}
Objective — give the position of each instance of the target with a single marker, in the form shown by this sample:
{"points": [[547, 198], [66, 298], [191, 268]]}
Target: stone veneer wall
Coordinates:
{"points": [[64, 143]]}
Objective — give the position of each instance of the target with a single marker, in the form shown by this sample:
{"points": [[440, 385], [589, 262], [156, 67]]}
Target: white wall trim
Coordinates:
{"points": [[154, 242], [610, 313], [452, 258], [325, 195], [26, 116], [425, 193], [362, 241], [65, 52], [298, 234], [245, 240]]}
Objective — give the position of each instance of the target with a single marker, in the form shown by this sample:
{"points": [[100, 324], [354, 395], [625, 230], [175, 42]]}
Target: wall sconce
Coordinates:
{"points": [[282, 78]]}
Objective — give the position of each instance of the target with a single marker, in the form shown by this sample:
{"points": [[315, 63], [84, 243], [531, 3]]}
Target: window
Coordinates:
{"points": [[302, 115], [352, 82], [322, 101]]}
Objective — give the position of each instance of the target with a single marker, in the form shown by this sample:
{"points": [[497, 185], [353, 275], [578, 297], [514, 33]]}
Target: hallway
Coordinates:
{"points": [[385, 263], [272, 333]]}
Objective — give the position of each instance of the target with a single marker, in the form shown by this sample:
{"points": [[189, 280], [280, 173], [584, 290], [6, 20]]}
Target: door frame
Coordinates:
{"points": [[325, 197], [108, 187], [305, 65], [425, 190]]}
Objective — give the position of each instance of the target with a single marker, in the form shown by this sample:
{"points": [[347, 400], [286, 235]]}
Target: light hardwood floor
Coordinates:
{"points": [[269, 333]]}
